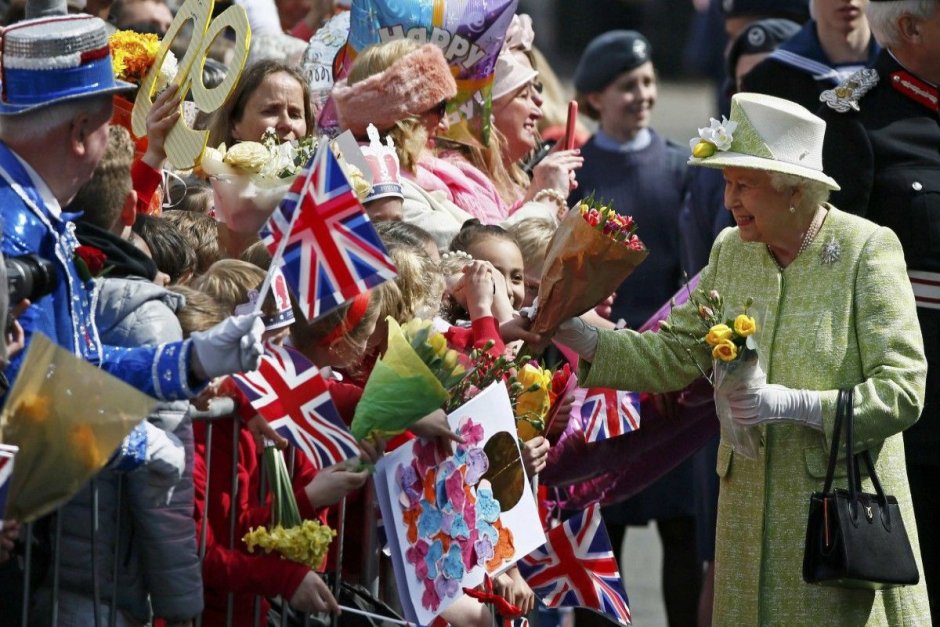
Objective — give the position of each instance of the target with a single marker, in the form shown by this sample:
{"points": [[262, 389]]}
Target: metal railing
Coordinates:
{"points": [[108, 613]]}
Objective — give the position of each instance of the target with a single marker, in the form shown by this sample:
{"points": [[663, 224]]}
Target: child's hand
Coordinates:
{"points": [[261, 429], [560, 423], [535, 455], [371, 450], [9, 532], [434, 426], [517, 328], [333, 483], [605, 309], [502, 301], [313, 595], [162, 117], [512, 587], [479, 289], [211, 391]]}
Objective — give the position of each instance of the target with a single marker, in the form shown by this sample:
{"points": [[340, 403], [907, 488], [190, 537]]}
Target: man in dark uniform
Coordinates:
{"points": [[835, 44], [883, 147]]}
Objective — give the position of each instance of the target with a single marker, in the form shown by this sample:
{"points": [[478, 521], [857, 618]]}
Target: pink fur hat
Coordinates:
{"points": [[412, 85]]}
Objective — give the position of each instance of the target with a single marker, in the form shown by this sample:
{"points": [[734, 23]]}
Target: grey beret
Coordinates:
{"points": [[608, 56]]}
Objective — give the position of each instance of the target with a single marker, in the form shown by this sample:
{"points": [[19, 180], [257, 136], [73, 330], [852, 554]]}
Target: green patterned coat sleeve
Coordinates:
{"points": [[893, 367]]}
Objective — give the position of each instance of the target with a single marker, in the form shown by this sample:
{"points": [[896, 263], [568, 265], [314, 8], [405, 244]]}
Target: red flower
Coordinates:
{"points": [[90, 260]]}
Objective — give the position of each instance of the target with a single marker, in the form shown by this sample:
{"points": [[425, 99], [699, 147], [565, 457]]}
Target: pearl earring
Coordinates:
{"points": [[792, 209]]}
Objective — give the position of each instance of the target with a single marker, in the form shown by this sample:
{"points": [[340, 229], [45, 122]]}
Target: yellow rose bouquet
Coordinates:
{"points": [[734, 357], [302, 541], [413, 378]]}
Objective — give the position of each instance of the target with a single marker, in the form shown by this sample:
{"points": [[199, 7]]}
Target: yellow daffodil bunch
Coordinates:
{"points": [[302, 541]]}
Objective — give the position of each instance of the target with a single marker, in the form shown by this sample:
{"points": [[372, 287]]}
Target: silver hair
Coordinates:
{"points": [[32, 126], [883, 18], [815, 193]]}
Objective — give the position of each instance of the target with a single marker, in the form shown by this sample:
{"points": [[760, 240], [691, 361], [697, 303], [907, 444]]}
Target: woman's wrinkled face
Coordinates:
{"points": [[278, 102], [761, 212], [517, 115], [625, 106]]}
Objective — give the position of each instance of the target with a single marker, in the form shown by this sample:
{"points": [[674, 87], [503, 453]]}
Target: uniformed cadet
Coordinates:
{"points": [[836, 43], [883, 147]]}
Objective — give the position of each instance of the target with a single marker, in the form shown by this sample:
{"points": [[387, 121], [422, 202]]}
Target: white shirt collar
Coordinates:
{"points": [[52, 204]]}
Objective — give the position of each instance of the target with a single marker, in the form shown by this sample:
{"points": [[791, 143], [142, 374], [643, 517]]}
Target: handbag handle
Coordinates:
{"points": [[845, 413], [836, 440]]}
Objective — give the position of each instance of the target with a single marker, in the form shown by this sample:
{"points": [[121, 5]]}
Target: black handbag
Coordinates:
{"points": [[854, 539]]}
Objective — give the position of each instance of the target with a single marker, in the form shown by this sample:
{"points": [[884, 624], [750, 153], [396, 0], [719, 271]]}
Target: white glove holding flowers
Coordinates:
{"points": [[753, 402], [232, 346]]}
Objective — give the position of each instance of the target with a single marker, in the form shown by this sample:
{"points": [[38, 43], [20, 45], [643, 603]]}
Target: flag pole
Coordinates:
{"points": [[282, 245]]}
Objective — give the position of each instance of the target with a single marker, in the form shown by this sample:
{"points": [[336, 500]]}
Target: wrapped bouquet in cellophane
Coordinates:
{"points": [[593, 250], [413, 378], [67, 417]]}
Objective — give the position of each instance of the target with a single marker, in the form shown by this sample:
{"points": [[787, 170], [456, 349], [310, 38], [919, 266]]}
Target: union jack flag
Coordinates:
{"points": [[292, 395], [576, 568], [607, 413], [332, 252], [7, 453]]}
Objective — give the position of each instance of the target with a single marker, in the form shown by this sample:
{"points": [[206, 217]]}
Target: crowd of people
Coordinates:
{"points": [[820, 211]]}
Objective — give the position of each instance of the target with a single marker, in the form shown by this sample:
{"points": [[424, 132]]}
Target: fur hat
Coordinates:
{"points": [[55, 59], [412, 85], [764, 133]]}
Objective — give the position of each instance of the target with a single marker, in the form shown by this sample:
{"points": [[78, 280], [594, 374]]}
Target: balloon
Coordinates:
{"points": [[469, 32]]}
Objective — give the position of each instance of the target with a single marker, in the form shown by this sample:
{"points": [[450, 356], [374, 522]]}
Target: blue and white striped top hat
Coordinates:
{"points": [[55, 59]]}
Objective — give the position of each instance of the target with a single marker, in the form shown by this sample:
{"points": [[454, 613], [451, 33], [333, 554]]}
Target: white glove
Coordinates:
{"points": [[579, 336], [166, 457], [232, 346], [775, 404]]}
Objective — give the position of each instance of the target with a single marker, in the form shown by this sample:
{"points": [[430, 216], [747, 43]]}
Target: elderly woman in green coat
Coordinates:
{"points": [[834, 309]]}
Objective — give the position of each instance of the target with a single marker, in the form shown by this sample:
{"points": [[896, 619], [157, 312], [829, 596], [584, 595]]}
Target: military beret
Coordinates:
{"points": [[760, 36], [797, 9], [608, 56]]}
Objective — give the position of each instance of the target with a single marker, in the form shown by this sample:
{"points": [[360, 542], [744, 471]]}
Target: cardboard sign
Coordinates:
{"points": [[184, 145]]}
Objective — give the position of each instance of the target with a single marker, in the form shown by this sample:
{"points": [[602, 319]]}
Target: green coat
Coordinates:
{"points": [[821, 326]]}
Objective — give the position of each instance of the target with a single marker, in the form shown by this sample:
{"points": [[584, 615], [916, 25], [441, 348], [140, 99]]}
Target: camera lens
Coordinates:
{"points": [[29, 276]]}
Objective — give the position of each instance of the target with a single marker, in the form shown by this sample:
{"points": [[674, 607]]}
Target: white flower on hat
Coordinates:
{"points": [[717, 136]]}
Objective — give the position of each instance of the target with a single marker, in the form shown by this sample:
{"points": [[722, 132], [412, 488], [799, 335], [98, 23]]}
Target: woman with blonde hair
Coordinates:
{"points": [[402, 87]]}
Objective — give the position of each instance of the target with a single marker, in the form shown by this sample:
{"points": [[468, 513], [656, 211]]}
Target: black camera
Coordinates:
{"points": [[29, 276]]}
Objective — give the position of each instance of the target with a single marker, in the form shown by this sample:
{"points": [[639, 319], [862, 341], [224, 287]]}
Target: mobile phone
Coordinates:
{"points": [[569, 127]]}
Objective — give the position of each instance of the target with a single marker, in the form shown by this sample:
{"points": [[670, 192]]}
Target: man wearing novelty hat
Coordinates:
{"points": [[56, 87], [882, 148]]}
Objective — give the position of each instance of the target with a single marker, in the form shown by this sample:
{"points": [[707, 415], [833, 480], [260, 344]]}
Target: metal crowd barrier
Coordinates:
{"points": [[369, 575]]}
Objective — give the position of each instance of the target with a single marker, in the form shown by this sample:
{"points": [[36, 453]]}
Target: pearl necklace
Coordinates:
{"points": [[808, 237]]}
